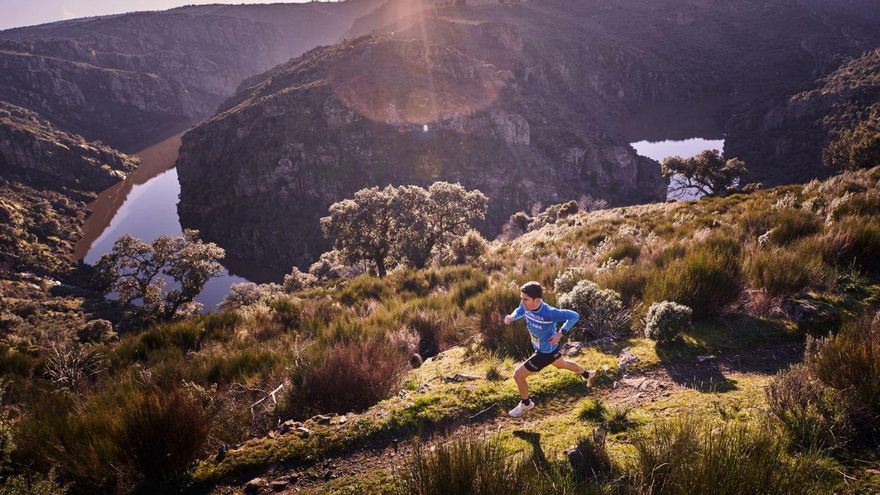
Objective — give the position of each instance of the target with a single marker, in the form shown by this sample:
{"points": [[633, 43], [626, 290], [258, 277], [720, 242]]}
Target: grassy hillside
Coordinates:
{"points": [[764, 272]]}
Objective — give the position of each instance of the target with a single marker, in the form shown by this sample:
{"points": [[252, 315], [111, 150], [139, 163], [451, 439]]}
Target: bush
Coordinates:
{"points": [[350, 376], [161, 433], [781, 272], [465, 249], [487, 310], [856, 240], [809, 413], [436, 330], [248, 293], [686, 456], [567, 279], [589, 459], [622, 250], [849, 364], [466, 465], [706, 279], [363, 288], [297, 280], [791, 224], [666, 320], [96, 331], [469, 288], [602, 312], [627, 280]]}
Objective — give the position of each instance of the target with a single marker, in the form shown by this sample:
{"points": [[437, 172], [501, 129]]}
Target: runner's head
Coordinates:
{"points": [[531, 294]]}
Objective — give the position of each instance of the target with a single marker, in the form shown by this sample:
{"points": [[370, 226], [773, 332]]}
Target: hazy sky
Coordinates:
{"points": [[15, 13]]}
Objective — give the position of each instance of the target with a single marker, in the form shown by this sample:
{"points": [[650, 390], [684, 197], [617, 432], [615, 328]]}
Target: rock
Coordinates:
{"points": [[458, 378], [288, 426], [279, 484], [303, 431], [321, 419], [572, 348], [255, 485], [810, 313], [415, 360], [626, 359]]}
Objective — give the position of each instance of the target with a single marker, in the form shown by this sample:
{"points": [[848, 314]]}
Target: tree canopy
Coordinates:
{"points": [[706, 173], [405, 224], [137, 272]]}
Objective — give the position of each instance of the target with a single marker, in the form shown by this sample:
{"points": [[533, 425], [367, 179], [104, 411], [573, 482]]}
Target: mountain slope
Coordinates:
{"points": [[524, 102], [125, 78]]}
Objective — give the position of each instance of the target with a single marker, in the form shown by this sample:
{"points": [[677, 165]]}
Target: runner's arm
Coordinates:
{"points": [[568, 316], [518, 313]]}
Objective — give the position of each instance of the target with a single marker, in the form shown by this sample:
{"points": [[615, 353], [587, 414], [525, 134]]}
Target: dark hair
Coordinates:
{"points": [[532, 289]]}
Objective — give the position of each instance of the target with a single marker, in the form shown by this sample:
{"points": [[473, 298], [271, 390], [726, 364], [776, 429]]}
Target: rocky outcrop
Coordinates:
{"points": [[46, 178], [126, 78], [523, 102], [784, 137], [35, 152]]}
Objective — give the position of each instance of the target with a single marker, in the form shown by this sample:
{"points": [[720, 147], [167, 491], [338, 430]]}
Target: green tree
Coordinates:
{"points": [[136, 271], [361, 227], [402, 224], [855, 149], [707, 173], [430, 220]]}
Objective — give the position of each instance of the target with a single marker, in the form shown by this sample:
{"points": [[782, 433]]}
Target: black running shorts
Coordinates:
{"points": [[541, 360]]}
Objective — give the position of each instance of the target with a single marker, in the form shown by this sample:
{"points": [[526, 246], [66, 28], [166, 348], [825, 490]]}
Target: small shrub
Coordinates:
{"points": [[467, 289], [248, 293], [620, 251], [465, 249], [286, 311], [665, 320], [791, 224], [363, 288], [567, 279], [465, 465], [856, 240], [809, 413], [162, 432], [687, 456], [781, 271], [602, 312], [297, 280], [849, 364], [706, 279], [436, 330], [350, 376], [96, 331], [589, 459], [591, 410], [627, 280]]}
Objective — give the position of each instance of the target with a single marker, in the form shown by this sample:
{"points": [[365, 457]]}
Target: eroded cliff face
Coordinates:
{"points": [[788, 134], [124, 79], [46, 178], [523, 102]]}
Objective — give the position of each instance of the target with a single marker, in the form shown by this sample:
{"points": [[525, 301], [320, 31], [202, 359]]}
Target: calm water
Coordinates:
{"points": [[145, 205], [684, 148]]}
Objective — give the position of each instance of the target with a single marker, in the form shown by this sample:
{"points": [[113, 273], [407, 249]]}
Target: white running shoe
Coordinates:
{"points": [[521, 409]]}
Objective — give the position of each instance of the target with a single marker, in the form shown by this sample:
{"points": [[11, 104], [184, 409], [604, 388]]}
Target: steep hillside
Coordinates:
{"points": [[156, 72], [46, 177], [788, 135], [524, 102]]}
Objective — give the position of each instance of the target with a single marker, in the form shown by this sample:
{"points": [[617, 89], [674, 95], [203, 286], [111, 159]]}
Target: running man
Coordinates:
{"points": [[541, 320]]}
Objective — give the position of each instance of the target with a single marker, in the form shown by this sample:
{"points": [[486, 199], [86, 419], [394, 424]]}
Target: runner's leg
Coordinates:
{"points": [[565, 364], [519, 376]]}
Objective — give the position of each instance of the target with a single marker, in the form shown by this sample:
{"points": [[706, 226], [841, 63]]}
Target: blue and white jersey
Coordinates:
{"points": [[541, 324]]}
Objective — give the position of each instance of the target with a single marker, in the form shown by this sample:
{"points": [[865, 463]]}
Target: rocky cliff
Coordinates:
{"points": [[126, 78], [46, 178], [787, 135], [524, 102]]}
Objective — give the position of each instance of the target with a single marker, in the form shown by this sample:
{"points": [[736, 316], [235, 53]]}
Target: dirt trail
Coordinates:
{"points": [[707, 374]]}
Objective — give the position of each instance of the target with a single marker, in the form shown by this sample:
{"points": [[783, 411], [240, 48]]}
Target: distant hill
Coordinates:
{"points": [[524, 101], [125, 78]]}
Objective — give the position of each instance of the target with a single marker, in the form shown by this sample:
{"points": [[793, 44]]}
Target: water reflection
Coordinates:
{"points": [[145, 205]]}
